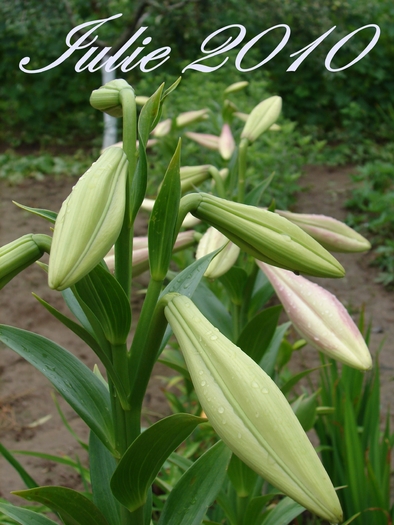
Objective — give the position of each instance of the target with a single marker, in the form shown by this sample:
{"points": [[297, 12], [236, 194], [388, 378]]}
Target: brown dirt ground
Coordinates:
{"points": [[25, 394]]}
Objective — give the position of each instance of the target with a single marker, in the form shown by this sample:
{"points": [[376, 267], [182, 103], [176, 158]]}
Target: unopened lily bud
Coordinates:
{"points": [[261, 118], [141, 100], [89, 221], [106, 98], [237, 86], [249, 412], [163, 128], [204, 139], [265, 235], [213, 240], [141, 252], [19, 254], [191, 117], [188, 222], [319, 318], [241, 116], [192, 176], [334, 235], [226, 142]]}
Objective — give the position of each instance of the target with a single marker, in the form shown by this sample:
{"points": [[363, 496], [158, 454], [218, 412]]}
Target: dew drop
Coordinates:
{"points": [[256, 414], [286, 237], [214, 337], [255, 385], [265, 390], [316, 339], [221, 410], [203, 383], [201, 372]]}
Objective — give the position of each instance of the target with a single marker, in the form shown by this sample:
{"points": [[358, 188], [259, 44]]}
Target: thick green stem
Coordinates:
{"points": [[242, 169], [124, 244]]}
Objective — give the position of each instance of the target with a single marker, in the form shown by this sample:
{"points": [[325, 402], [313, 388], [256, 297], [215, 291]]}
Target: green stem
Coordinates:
{"points": [[219, 182], [243, 147], [236, 311], [124, 244], [248, 290]]}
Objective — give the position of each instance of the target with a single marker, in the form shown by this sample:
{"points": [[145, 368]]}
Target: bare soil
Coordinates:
{"points": [[25, 395]]}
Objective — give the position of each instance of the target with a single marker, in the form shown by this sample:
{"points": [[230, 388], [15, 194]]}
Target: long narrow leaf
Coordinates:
{"points": [[84, 392], [25, 516], [26, 478]]}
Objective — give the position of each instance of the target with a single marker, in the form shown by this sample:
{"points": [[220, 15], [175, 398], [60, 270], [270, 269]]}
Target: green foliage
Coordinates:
{"points": [[372, 212], [355, 444]]}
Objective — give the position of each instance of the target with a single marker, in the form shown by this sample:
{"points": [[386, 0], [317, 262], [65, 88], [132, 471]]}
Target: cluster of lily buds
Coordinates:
{"points": [[89, 221], [319, 317], [213, 240], [334, 235], [224, 144], [265, 235], [249, 412], [141, 253]]}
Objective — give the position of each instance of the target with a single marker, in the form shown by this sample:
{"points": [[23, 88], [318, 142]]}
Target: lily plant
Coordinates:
{"points": [[93, 258]]}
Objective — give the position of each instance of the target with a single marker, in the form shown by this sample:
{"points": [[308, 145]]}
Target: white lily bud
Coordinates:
{"points": [[319, 317], [249, 412], [191, 117], [224, 260], [204, 139], [89, 221], [226, 142], [163, 128], [188, 222], [192, 176], [334, 235], [261, 118]]}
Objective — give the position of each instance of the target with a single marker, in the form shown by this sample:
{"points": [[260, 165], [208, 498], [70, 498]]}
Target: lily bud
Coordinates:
{"points": [[224, 260], [163, 128], [140, 100], [334, 235], [191, 117], [237, 86], [18, 255], [319, 318], [141, 252], [204, 139], [192, 176], [106, 98], [265, 235], [261, 118], [249, 412], [89, 221], [226, 142], [188, 222]]}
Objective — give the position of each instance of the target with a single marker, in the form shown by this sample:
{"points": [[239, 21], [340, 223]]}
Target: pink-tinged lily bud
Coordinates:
{"points": [[261, 118], [163, 128], [237, 86], [241, 116], [89, 221], [204, 139], [319, 318], [264, 235], [192, 176], [334, 235], [226, 142], [224, 260], [191, 117], [249, 412], [107, 98]]}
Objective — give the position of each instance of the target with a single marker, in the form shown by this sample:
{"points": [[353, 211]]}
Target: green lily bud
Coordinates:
{"points": [[265, 235], [140, 100], [237, 86], [106, 98], [334, 235], [192, 176], [163, 128], [19, 254], [261, 118], [189, 221], [224, 260], [249, 412], [89, 221], [319, 318], [191, 117]]}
